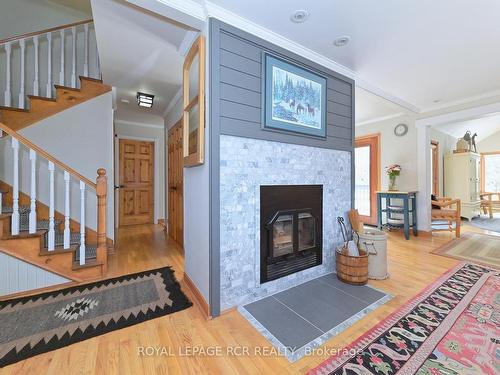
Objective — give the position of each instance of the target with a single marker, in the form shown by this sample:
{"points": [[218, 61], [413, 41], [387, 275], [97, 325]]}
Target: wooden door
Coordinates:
{"points": [[175, 183], [136, 182], [367, 177]]}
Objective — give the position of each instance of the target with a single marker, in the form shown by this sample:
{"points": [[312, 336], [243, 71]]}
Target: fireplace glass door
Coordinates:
{"points": [[283, 235], [307, 231]]}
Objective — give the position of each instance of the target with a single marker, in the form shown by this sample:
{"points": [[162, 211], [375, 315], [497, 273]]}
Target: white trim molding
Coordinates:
{"points": [[381, 118], [140, 124]]}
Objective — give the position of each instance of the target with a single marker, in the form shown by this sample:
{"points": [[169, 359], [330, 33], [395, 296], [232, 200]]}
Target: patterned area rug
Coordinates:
{"points": [[44, 322], [452, 327], [473, 247]]}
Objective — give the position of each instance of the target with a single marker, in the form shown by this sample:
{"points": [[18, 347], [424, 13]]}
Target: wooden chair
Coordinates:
{"points": [[490, 202], [447, 213]]}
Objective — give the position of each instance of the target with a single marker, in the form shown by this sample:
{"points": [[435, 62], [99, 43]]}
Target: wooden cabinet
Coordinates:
{"points": [[462, 181]]}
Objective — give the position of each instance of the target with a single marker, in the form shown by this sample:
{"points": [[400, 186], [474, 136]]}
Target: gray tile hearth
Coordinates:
{"points": [[307, 315]]}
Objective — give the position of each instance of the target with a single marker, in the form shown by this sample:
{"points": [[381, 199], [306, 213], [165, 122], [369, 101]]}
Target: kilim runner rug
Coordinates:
{"points": [[452, 327], [48, 321]]}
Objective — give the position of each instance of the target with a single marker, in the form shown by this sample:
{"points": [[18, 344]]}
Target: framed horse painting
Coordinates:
{"points": [[294, 98]]}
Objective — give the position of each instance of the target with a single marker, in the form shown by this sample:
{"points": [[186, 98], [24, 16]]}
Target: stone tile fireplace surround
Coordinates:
{"points": [[246, 165]]}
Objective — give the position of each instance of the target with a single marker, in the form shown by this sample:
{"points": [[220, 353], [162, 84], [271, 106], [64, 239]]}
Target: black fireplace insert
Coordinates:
{"points": [[291, 229]]}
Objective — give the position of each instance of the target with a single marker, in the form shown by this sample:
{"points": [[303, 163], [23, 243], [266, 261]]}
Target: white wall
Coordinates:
{"points": [[155, 133], [18, 276], [447, 144], [25, 16], [395, 150], [82, 138], [490, 144], [196, 206]]}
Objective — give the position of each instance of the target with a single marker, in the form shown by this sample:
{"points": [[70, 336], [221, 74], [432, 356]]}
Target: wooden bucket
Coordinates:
{"points": [[352, 269]]}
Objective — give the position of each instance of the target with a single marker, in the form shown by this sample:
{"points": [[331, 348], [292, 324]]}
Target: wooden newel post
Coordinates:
{"points": [[101, 192]]}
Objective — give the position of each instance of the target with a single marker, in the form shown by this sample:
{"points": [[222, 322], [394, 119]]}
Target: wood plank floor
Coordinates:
{"points": [[411, 268]]}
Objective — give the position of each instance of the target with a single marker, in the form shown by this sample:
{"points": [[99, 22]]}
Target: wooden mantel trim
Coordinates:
{"points": [[47, 156], [29, 35]]}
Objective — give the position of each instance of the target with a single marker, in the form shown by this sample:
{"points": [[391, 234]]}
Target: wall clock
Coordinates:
{"points": [[401, 130]]}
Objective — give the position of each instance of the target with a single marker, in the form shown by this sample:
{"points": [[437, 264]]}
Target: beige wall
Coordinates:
{"points": [[447, 144], [490, 144], [395, 150]]}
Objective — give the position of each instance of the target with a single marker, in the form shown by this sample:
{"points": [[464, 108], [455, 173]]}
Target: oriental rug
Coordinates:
{"points": [[451, 327], [43, 322]]}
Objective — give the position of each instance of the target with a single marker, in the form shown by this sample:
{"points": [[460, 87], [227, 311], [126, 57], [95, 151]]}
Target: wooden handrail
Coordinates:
{"points": [[47, 156], [29, 35]]}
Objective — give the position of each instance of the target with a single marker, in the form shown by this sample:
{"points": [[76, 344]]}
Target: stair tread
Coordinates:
{"points": [[38, 233], [97, 80], [44, 98], [13, 109], [67, 88], [89, 263]]}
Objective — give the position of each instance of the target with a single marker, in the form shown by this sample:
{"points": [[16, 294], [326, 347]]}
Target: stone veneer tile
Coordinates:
{"points": [[245, 165]]}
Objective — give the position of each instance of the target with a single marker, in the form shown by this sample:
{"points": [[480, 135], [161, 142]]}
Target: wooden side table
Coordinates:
{"points": [[408, 210]]}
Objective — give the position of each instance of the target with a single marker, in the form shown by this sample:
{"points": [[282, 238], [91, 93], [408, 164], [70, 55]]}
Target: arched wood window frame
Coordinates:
{"points": [[198, 156]]}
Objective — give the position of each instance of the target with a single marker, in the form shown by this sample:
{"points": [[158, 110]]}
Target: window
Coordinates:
{"points": [[490, 167]]}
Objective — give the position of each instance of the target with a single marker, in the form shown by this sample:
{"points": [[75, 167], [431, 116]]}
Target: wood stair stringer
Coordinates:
{"points": [[41, 108]]}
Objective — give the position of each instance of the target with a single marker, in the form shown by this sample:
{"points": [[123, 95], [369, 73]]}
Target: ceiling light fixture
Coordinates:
{"points": [[342, 41], [126, 101], [144, 100], [299, 16]]}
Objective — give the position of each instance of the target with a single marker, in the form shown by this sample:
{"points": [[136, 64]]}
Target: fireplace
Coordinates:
{"points": [[291, 222]]}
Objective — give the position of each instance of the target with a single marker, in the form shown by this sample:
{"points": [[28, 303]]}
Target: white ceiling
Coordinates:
{"points": [[371, 108], [418, 50], [484, 127], [139, 51]]}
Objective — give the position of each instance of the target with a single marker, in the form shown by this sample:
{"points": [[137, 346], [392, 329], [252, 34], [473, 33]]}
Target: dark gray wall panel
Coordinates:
{"points": [[240, 95], [239, 79], [235, 109], [239, 63]]}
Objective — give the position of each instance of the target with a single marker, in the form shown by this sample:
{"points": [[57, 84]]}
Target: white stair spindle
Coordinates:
{"points": [[61, 72], [66, 211], [49, 66], [7, 95], [82, 223], [22, 45], [32, 216], [52, 233], [36, 82], [15, 189], [86, 50], [73, 54]]}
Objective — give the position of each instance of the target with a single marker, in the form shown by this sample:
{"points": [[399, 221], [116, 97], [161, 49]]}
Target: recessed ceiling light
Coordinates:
{"points": [[342, 41], [144, 100], [437, 101], [126, 101], [299, 16]]}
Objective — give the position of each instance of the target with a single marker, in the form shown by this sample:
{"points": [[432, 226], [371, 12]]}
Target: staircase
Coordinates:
{"points": [[29, 229]]}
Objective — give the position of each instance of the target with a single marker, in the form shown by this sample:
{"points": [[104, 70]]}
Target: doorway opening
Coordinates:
{"points": [[367, 177], [435, 167]]}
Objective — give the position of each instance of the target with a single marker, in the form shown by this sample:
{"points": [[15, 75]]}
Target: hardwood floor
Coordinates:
{"points": [[411, 268]]}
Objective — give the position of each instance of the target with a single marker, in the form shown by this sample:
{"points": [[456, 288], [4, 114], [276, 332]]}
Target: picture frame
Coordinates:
{"points": [[294, 98]]}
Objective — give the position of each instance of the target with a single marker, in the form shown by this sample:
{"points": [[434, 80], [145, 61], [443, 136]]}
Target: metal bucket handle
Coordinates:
{"points": [[372, 244]]}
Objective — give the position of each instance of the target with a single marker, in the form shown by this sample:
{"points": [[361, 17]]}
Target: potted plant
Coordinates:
{"points": [[393, 171]]}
